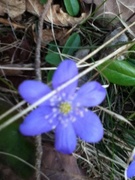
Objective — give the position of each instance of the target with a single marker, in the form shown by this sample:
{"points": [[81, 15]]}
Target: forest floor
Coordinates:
{"points": [[96, 33]]}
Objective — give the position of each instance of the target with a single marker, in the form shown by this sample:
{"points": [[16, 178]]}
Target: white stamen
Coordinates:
{"points": [[63, 94], [71, 98], [52, 99], [52, 103], [54, 115], [54, 126], [50, 121], [46, 117], [59, 98], [54, 109], [77, 104], [73, 119], [86, 110], [81, 113]]}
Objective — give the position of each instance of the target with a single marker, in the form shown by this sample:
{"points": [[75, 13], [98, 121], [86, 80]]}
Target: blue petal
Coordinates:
{"points": [[38, 121], [88, 126], [65, 138], [65, 71], [32, 90], [90, 94], [131, 170]]}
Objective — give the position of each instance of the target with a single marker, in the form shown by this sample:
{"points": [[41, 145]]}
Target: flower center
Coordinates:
{"points": [[65, 107]]}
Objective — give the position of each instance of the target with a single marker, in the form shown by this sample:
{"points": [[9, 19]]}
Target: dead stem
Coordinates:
{"points": [[38, 77]]}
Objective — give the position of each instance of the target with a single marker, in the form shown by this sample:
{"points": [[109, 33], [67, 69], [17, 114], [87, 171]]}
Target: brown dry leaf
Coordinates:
{"points": [[47, 36], [60, 166], [58, 17], [34, 7], [123, 8], [55, 14], [13, 8]]}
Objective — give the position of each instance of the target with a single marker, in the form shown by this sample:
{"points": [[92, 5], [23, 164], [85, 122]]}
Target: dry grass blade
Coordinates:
{"points": [[115, 115], [107, 43], [104, 160], [94, 65]]}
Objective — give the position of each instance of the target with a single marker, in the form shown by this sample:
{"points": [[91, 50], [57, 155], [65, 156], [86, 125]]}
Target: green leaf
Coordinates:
{"points": [[12, 142], [43, 1], [50, 75], [72, 7], [53, 59], [72, 44], [53, 56], [131, 55], [132, 49], [118, 72], [52, 47]]}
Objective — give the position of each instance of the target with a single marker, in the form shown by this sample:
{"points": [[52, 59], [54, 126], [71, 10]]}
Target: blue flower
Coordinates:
{"points": [[66, 112], [131, 169]]}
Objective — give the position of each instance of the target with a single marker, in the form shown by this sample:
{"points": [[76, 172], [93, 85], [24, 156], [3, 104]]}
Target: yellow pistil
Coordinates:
{"points": [[65, 107]]}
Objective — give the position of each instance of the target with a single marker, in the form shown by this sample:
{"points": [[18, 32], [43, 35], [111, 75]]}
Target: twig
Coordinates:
{"points": [[38, 77], [15, 25], [39, 37]]}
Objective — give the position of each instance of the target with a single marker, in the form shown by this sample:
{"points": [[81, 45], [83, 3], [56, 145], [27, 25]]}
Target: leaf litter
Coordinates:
{"points": [[17, 49]]}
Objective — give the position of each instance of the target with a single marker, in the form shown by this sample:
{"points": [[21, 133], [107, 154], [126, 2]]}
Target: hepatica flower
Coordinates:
{"points": [[131, 169], [66, 112]]}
